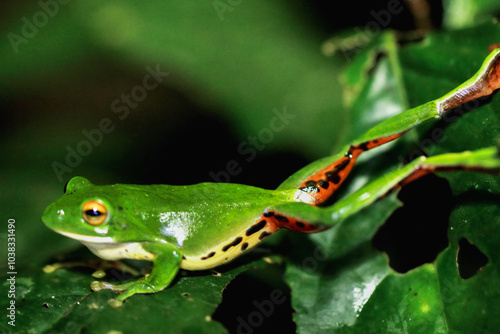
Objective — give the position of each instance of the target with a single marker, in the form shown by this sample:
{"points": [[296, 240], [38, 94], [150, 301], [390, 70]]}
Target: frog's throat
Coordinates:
{"points": [[108, 249]]}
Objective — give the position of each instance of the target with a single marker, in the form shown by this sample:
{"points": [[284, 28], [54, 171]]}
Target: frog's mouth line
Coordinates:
{"points": [[108, 249], [86, 238]]}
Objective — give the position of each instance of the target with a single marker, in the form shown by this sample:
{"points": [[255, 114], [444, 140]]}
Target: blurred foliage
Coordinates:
{"points": [[232, 66], [466, 13]]}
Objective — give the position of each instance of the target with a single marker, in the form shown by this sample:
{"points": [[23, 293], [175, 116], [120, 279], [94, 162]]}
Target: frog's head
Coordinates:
{"points": [[88, 213]]}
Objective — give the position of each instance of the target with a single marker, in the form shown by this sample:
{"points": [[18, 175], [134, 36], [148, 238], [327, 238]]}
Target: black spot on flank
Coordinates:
{"points": [[299, 224], [264, 234], [281, 219], [244, 246], [342, 165], [268, 214], [363, 146], [311, 184], [255, 228], [323, 184], [208, 256], [234, 243], [120, 208], [334, 177]]}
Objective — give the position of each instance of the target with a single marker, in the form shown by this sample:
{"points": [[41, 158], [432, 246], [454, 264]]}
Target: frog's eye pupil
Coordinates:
{"points": [[94, 213]]}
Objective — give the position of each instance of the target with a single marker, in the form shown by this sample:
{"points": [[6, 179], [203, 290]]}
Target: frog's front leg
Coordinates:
{"points": [[165, 267]]}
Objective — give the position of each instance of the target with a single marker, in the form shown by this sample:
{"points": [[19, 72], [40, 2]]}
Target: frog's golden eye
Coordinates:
{"points": [[94, 213]]}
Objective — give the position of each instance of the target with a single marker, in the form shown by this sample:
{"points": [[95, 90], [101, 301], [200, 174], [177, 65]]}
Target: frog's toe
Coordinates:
{"points": [[99, 274], [97, 285], [115, 302]]}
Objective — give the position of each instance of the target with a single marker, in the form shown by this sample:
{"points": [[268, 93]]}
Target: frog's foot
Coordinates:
{"points": [[98, 285], [99, 265], [50, 268], [114, 302], [166, 265], [125, 289]]}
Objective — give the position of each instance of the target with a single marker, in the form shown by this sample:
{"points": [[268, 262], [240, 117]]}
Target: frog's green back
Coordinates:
{"points": [[203, 216]]}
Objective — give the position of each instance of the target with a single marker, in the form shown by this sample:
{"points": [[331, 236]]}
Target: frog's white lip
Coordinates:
{"points": [[108, 249], [86, 238]]}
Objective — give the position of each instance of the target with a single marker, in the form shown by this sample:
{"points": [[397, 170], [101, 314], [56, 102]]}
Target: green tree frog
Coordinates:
{"points": [[206, 225]]}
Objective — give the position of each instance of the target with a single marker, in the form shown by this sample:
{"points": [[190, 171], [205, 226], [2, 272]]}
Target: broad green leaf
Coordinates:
{"points": [[373, 90], [395, 297], [63, 301]]}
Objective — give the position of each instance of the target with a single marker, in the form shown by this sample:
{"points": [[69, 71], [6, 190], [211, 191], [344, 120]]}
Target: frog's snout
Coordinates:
{"points": [[50, 214], [46, 214]]}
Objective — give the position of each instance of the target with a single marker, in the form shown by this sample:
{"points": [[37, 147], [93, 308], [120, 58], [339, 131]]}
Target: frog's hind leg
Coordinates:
{"points": [[291, 223], [322, 184], [318, 181], [483, 160]]}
